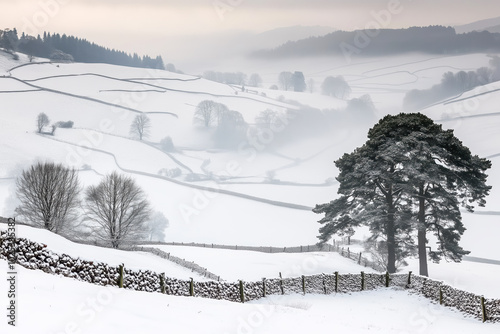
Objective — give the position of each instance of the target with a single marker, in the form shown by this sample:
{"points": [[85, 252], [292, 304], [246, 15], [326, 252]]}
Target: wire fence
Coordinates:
{"points": [[340, 247]]}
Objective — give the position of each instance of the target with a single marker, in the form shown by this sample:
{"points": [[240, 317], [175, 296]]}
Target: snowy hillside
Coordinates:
{"points": [[95, 309], [52, 304], [88, 308], [102, 101], [252, 196]]}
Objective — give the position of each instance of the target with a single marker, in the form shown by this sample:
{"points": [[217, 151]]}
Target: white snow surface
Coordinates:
{"points": [[50, 304]]}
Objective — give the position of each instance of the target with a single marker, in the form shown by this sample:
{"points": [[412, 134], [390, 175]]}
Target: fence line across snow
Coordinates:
{"points": [[344, 251], [36, 256]]}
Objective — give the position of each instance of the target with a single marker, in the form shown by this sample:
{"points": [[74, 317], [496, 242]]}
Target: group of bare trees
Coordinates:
{"points": [[230, 126], [295, 80], [336, 87], [452, 84], [116, 209], [42, 121], [209, 113]]}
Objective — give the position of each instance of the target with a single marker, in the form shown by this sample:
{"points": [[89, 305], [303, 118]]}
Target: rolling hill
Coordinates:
{"points": [[260, 196]]}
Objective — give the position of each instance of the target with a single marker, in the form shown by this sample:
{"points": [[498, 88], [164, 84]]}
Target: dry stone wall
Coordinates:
{"points": [[36, 256]]}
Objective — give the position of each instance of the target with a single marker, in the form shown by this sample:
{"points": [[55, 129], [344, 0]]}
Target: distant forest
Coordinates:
{"points": [[70, 48], [432, 40]]}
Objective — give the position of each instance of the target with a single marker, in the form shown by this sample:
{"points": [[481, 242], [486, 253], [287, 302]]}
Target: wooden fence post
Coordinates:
{"points": [[409, 278], [440, 296], [264, 287], [242, 292], [359, 260], [324, 284], [281, 284], [362, 280], [191, 288], [387, 279], [336, 281], [303, 284], [483, 309], [122, 274], [162, 283]]}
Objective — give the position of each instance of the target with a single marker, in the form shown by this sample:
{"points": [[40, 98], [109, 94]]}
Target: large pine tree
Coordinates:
{"points": [[441, 176], [410, 177], [372, 195]]}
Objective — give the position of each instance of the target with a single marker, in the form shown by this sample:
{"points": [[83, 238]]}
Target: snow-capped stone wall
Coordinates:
{"points": [[464, 301], [36, 256]]}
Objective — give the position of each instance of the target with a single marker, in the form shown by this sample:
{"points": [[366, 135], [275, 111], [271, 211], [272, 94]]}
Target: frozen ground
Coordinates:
{"points": [[50, 304], [102, 100]]}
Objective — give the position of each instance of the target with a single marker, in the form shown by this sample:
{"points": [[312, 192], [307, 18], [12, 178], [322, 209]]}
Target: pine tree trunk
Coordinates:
{"points": [[422, 230], [391, 244], [391, 239]]}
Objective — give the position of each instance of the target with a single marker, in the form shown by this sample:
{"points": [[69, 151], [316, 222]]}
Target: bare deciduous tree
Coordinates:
{"points": [[209, 112], [336, 86], [119, 208], [140, 126], [255, 80], [42, 120], [155, 226], [48, 193], [266, 118], [204, 113], [285, 80]]}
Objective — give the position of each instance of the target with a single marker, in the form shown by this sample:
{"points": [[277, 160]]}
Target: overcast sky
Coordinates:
{"points": [[153, 26]]}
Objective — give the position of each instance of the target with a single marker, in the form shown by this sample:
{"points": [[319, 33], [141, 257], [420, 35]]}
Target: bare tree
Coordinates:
{"points": [[156, 225], [48, 193], [285, 80], [231, 129], [255, 80], [140, 126], [266, 118], [336, 86], [204, 113], [209, 112], [119, 208], [42, 121]]}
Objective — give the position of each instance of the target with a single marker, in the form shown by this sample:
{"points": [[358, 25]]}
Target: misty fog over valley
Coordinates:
{"points": [[212, 170]]}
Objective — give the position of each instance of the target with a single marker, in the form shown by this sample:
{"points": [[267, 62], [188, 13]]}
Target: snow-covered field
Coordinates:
{"points": [[51, 304], [102, 101], [54, 304]]}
